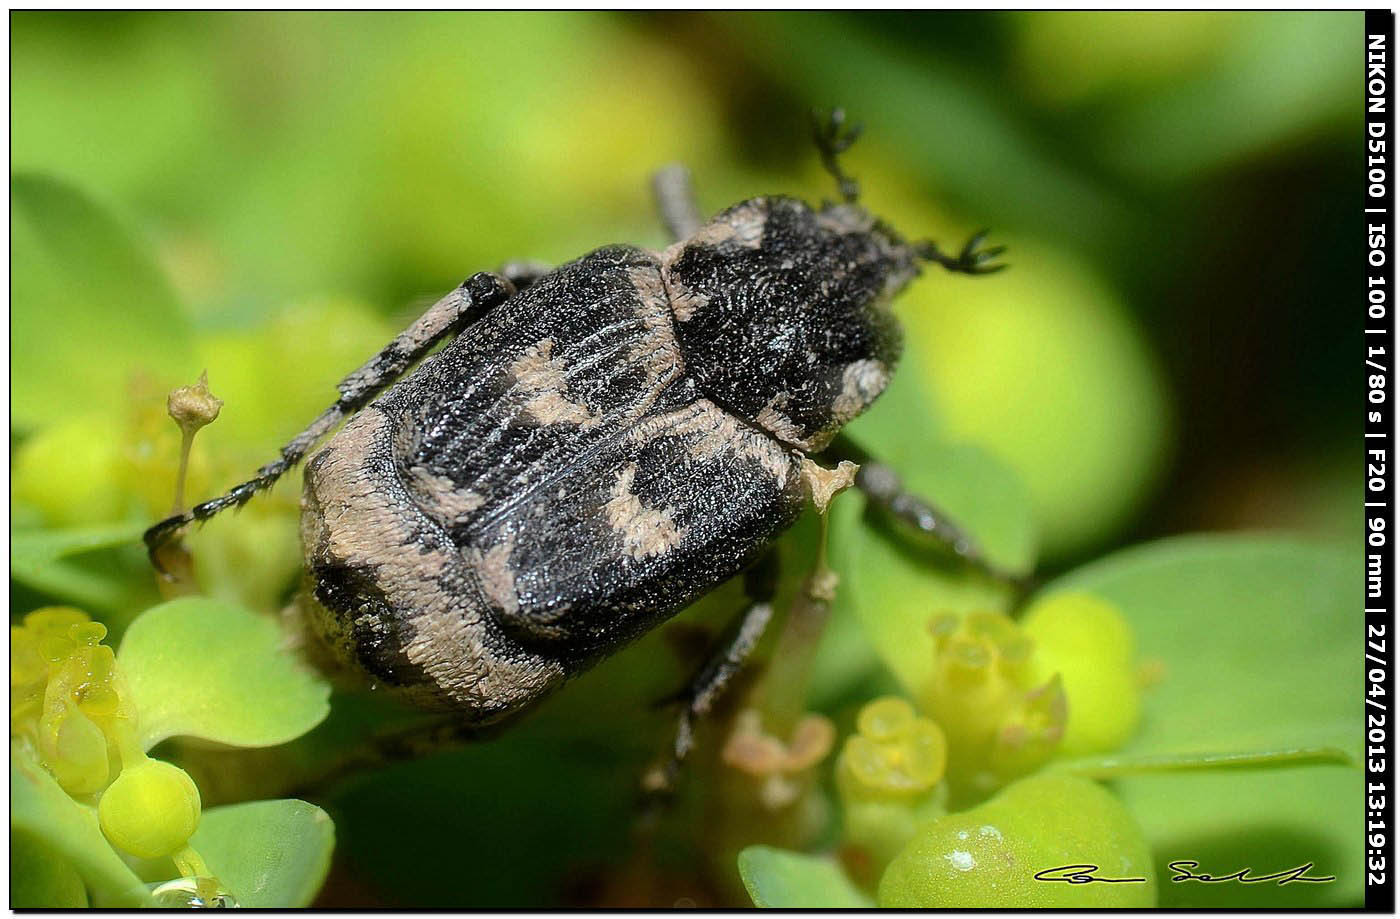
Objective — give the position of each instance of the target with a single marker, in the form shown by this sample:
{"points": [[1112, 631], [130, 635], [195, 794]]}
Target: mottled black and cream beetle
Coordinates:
{"points": [[597, 446]]}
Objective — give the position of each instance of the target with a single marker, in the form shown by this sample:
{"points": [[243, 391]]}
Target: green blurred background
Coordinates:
{"points": [[1172, 350]]}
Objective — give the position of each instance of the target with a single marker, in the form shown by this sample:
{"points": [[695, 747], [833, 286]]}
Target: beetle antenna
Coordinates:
{"points": [[833, 138]]}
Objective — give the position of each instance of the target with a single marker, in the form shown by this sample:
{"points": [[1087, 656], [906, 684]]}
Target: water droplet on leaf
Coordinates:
{"points": [[192, 893]]}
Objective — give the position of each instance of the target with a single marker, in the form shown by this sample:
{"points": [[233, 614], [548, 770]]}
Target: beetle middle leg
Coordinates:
{"points": [[463, 306], [675, 201], [728, 660]]}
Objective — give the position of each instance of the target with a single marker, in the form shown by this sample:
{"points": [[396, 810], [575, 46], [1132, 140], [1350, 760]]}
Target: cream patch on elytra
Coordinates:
{"points": [[440, 497], [712, 435], [645, 531], [781, 426], [543, 380], [657, 352], [497, 577]]}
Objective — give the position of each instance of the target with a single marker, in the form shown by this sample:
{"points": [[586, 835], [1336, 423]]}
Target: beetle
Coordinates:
{"points": [[596, 446]]}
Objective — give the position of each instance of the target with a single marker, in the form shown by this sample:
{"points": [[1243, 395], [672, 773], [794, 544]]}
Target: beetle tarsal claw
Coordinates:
{"points": [[824, 484]]}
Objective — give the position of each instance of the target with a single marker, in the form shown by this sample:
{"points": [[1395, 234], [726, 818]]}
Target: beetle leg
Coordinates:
{"points": [[973, 259], [833, 138], [728, 660], [883, 487], [675, 201], [463, 306]]}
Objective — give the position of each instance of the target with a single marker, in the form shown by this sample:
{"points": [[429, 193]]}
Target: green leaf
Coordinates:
{"points": [[78, 566], [1069, 57], [893, 582], [778, 879], [40, 808], [41, 877], [209, 669], [1257, 637], [1113, 766], [32, 550], [103, 582], [89, 304], [268, 854], [70, 473], [1292, 71], [1044, 367]]}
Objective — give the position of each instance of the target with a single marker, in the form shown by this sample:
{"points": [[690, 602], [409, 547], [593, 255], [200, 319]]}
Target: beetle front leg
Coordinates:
{"points": [[728, 660], [834, 137], [972, 259], [882, 486], [473, 299]]}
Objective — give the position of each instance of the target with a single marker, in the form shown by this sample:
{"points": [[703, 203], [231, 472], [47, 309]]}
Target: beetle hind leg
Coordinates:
{"points": [[466, 304]]}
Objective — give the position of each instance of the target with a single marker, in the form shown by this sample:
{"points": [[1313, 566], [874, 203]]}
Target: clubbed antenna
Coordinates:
{"points": [[833, 138], [971, 260]]}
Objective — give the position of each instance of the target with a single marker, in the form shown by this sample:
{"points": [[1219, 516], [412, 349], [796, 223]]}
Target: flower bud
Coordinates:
{"points": [[890, 778], [1088, 643], [194, 406], [150, 810], [988, 856], [896, 755], [1002, 719]]}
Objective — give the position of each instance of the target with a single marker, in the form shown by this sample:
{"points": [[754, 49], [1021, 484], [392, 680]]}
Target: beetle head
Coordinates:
{"points": [[782, 312]]}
